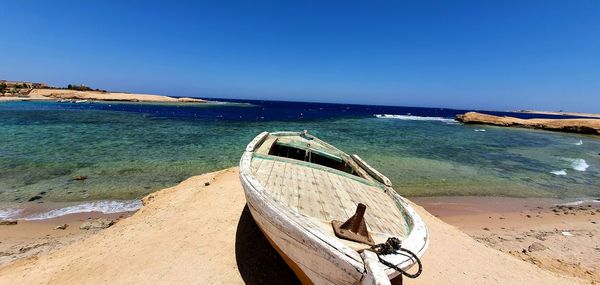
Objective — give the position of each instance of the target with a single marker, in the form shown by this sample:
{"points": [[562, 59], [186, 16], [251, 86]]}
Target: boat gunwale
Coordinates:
{"points": [[371, 171]]}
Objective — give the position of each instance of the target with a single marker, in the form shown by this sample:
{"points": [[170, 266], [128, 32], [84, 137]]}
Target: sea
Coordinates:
{"points": [[59, 158]]}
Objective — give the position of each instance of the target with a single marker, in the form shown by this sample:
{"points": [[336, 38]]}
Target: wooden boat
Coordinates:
{"points": [[303, 192]]}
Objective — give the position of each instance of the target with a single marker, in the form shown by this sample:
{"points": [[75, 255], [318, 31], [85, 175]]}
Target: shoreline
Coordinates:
{"points": [[438, 205], [34, 211], [67, 94], [30, 238], [177, 221]]}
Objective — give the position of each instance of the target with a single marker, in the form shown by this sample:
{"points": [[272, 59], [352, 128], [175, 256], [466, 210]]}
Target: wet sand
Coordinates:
{"points": [[31, 238], [200, 232]]}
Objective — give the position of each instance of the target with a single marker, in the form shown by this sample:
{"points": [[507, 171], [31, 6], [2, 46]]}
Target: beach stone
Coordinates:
{"points": [[540, 236], [146, 200], [96, 224], [536, 246], [80, 178], [61, 227], [36, 197], [30, 247], [8, 222]]}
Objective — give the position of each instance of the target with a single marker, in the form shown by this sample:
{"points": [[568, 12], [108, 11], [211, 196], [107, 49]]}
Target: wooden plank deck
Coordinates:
{"points": [[325, 196]]}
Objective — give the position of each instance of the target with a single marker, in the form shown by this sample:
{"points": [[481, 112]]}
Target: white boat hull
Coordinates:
{"points": [[316, 258]]}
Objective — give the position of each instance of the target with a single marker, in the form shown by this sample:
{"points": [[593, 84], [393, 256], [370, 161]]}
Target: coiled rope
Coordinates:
{"points": [[392, 246]]}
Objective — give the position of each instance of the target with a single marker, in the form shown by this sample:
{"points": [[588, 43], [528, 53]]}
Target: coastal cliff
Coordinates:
{"points": [[582, 126]]}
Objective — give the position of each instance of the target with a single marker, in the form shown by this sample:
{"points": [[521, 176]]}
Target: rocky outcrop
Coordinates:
{"points": [[536, 246], [61, 227], [581, 126], [8, 222], [80, 177], [96, 224]]}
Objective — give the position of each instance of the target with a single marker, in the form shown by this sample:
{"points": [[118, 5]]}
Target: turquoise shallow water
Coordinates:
{"points": [[128, 150]]}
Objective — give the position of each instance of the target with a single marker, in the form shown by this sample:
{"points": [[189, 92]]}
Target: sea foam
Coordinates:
{"points": [[479, 130], [9, 213], [580, 142], [414, 118], [105, 207], [579, 202], [579, 164], [559, 172]]}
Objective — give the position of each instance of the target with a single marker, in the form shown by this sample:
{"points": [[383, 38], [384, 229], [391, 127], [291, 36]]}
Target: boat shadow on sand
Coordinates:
{"points": [[257, 260]]}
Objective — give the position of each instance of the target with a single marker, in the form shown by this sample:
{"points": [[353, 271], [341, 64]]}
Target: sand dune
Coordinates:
{"points": [[195, 233]]}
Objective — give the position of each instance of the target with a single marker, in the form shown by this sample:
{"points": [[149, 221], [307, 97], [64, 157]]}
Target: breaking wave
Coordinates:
{"points": [[479, 130], [579, 202], [580, 142], [579, 164], [105, 207], [9, 213], [414, 118], [559, 172]]}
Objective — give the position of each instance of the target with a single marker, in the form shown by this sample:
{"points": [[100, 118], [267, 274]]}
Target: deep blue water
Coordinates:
{"points": [[260, 110]]}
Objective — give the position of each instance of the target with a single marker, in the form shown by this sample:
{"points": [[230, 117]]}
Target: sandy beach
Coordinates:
{"points": [[199, 232], [557, 236], [31, 238], [58, 94]]}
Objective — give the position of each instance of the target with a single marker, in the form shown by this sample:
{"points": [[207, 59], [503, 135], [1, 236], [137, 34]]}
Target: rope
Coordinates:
{"points": [[392, 246]]}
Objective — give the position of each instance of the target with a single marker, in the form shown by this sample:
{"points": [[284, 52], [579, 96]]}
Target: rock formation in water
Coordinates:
{"points": [[582, 126]]}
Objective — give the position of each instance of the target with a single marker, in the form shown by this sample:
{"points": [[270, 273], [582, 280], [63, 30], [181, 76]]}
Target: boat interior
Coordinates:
{"points": [[323, 184]]}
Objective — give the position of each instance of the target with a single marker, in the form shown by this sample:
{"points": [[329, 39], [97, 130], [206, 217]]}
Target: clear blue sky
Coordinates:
{"points": [[461, 54]]}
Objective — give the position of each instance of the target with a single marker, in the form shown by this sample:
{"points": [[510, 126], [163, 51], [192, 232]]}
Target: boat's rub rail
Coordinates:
{"points": [[282, 134], [374, 273], [257, 141], [372, 171]]}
